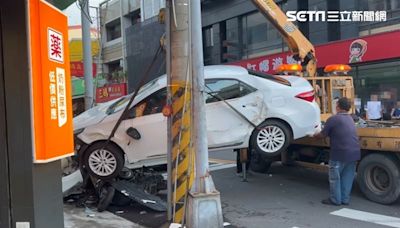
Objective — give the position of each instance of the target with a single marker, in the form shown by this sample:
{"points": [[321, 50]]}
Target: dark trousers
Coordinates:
{"points": [[239, 165]]}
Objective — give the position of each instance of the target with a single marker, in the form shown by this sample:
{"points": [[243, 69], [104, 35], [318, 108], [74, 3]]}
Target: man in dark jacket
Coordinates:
{"points": [[344, 153]]}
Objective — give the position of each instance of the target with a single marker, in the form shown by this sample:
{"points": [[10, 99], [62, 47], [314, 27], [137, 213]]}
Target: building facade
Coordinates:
{"points": [[115, 17], [130, 36], [234, 32]]}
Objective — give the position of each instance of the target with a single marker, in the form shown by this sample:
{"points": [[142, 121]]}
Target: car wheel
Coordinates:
{"points": [[258, 163], [103, 163], [270, 138], [378, 176]]}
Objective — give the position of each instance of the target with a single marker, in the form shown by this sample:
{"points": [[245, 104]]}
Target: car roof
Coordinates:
{"points": [[216, 71], [224, 71]]}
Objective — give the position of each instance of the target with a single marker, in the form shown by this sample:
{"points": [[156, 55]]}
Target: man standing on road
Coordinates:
{"points": [[344, 153]]}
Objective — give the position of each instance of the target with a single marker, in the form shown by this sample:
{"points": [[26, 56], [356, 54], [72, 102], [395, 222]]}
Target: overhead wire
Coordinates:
{"points": [[82, 6]]}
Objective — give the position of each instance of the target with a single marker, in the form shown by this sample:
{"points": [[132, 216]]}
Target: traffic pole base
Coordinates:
{"points": [[204, 210]]}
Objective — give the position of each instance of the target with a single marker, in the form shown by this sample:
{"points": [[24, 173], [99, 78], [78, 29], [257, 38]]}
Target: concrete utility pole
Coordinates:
{"points": [[87, 53], [180, 153], [198, 205], [204, 209]]}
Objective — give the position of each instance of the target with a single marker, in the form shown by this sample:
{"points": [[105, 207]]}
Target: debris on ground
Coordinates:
{"points": [[141, 186], [89, 212]]}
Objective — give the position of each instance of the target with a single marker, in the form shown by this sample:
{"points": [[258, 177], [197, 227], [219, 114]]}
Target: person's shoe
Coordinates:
{"points": [[329, 202]]}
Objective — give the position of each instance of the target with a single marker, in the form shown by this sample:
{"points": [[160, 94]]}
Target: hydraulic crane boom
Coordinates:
{"points": [[300, 46]]}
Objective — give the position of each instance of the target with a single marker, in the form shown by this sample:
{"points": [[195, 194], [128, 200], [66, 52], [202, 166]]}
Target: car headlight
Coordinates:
{"points": [[78, 131]]}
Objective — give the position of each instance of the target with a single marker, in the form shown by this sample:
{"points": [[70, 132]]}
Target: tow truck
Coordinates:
{"points": [[378, 171]]}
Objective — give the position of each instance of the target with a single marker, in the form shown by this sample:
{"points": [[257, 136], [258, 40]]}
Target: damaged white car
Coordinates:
{"points": [[243, 109]]}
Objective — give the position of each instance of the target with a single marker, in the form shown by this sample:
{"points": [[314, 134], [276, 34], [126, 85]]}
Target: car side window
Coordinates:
{"points": [[226, 89], [152, 104]]}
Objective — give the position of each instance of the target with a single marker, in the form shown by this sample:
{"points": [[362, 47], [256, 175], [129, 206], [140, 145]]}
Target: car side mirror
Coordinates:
{"points": [[134, 133]]}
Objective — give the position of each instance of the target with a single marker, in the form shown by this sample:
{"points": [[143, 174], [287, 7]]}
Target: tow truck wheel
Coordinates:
{"points": [[103, 163], [270, 138], [378, 176]]}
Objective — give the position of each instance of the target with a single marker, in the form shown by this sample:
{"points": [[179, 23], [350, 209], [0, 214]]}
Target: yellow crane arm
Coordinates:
{"points": [[299, 45]]}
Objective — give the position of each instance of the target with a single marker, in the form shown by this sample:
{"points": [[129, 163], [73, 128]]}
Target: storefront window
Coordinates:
{"points": [[208, 37], [259, 36], [232, 37], [378, 82], [208, 44]]}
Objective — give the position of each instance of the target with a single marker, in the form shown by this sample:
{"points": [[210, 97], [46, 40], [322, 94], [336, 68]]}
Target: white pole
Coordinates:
{"points": [[203, 195], [87, 54], [123, 35]]}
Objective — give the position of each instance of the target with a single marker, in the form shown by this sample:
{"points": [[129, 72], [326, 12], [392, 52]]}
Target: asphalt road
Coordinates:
{"points": [[287, 197], [290, 197]]}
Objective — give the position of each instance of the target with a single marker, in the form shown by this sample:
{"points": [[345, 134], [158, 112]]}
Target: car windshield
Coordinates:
{"points": [[120, 103], [270, 77]]}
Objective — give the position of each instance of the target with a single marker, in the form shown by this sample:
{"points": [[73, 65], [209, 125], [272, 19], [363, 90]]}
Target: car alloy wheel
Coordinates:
{"points": [[271, 139], [102, 162]]}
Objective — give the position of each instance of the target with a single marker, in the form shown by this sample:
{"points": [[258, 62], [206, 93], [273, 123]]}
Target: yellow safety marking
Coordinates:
{"points": [[185, 141], [178, 104], [179, 215], [176, 126], [181, 136]]}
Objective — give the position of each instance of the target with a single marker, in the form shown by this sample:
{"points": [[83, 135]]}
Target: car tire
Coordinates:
{"points": [[103, 163], [271, 138], [258, 163], [378, 177]]}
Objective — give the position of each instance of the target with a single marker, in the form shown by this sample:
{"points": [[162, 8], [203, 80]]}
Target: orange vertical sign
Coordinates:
{"points": [[50, 83]]}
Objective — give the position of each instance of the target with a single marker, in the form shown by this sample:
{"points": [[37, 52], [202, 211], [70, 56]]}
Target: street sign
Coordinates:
{"points": [[51, 103]]}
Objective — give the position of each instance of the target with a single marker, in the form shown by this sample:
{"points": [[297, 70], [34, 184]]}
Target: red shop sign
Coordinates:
{"points": [[364, 49], [77, 69], [110, 92]]}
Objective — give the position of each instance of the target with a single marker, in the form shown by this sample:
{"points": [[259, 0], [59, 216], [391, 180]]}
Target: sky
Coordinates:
{"points": [[74, 14]]}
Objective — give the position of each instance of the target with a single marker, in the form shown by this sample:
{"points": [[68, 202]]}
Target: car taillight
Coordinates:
{"points": [[307, 96]]}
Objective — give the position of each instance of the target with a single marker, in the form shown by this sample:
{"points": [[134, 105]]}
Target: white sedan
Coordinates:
{"points": [[265, 113]]}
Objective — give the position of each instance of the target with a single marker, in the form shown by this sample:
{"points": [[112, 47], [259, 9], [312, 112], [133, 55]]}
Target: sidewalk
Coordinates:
{"points": [[85, 218]]}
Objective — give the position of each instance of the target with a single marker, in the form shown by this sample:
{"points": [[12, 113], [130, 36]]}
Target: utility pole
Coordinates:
{"points": [[193, 204], [122, 19], [87, 53], [180, 152], [203, 196]]}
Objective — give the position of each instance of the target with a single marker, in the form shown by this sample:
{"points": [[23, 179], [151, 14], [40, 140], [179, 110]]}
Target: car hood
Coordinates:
{"points": [[92, 116]]}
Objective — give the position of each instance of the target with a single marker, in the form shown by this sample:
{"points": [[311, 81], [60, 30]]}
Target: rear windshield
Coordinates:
{"points": [[270, 77]]}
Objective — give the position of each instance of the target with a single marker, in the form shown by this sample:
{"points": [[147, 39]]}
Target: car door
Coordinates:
{"points": [[147, 119], [225, 126]]}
